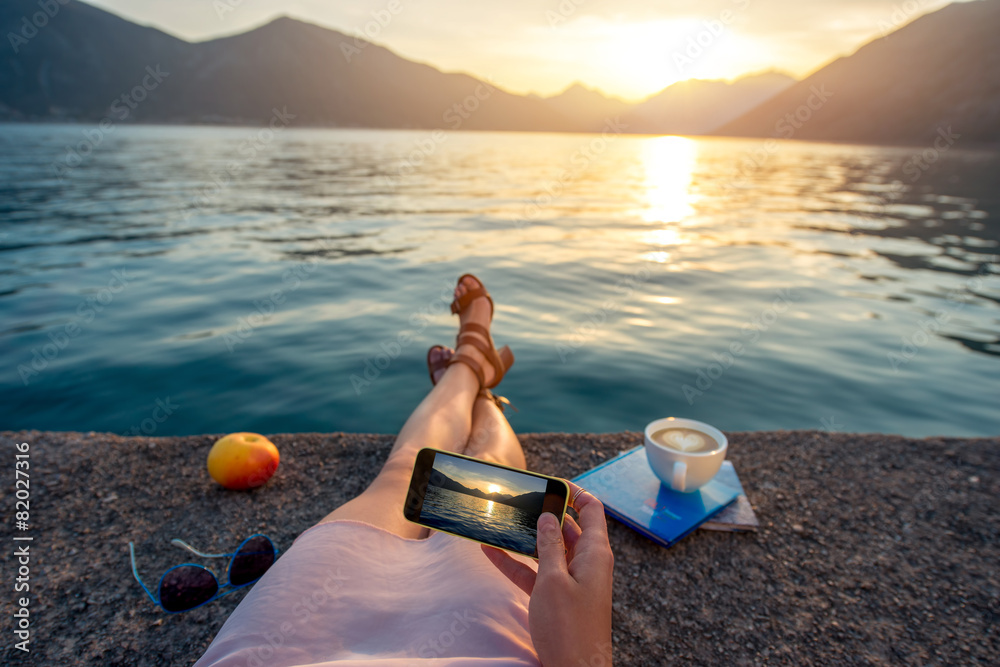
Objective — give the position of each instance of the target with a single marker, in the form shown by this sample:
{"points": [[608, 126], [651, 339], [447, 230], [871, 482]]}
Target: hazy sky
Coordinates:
{"points": [[476, 475], [628, 48]]}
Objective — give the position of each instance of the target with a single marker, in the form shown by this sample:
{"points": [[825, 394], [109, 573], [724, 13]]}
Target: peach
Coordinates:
{"points": [[242, 460]]}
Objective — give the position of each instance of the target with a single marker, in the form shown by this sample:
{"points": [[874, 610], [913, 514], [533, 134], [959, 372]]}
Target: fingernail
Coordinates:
{"points": [[548, 523]]}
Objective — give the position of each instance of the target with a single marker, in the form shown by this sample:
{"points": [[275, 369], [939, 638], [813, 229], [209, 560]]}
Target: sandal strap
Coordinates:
{"points": [[499, 401], [459, 358], [475, 341], [473, 327], [489, 352], [461, 303]]}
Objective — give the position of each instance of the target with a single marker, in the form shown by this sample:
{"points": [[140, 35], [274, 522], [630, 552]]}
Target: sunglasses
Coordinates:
{"points": [[187, 586]]}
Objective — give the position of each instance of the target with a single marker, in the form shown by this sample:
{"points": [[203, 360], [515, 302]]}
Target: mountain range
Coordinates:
{"points": [[696, 106], [85, 64], [940, 71], [529, 502]]}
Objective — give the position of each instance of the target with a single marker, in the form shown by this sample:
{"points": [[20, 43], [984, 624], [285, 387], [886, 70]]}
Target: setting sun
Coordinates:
{"points": [[493, 488], [637, 59]]}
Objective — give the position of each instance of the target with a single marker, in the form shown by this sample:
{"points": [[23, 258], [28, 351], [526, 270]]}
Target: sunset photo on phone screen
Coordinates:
{"points": [[486, 503]]}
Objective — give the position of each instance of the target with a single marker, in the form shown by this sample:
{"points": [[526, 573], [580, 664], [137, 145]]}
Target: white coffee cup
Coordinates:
{"points": [[680, 470]]}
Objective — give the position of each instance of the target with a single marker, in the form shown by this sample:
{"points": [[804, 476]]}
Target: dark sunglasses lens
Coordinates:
{"points": [[186, 587], [251, 561]]}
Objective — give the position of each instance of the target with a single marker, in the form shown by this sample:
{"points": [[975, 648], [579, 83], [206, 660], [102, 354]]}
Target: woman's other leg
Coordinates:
{"points": [[492, 438], [442, 420]]}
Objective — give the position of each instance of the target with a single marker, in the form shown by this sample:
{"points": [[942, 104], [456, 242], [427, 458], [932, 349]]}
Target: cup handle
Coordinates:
{"points": [[680, 475]]}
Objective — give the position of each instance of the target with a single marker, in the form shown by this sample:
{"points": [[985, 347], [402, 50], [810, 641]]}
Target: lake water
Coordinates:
{"points": [[484, 520], [207, 280]]}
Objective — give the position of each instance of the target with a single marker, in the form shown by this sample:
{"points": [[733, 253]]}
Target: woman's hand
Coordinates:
{"points": [[569, 614]]}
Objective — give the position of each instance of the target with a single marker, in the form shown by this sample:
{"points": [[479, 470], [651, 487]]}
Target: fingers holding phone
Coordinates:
{"points": [[591, 548], [570, 608], [481, 500], [569, 612]]}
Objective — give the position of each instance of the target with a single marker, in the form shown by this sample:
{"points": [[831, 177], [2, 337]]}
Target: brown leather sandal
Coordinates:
{"points": [[461, 303], [435, 366], [501, 360]]}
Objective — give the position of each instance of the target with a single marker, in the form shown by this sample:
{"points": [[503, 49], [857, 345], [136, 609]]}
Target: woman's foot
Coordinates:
{"points": [[437, 361], [478, 311]]}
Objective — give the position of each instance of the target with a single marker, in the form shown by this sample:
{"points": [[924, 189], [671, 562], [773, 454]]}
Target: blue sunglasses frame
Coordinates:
{"points": [[220, 592]]}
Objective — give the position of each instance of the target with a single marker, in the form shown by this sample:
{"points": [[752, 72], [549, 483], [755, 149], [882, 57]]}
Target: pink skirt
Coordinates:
{"points": [[348, 593]]}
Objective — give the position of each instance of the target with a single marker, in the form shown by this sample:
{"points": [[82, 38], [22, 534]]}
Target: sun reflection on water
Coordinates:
{"points": [[669, 164]]}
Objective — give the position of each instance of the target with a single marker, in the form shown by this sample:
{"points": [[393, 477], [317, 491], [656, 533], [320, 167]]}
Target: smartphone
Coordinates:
{"points": [[480, 501]]}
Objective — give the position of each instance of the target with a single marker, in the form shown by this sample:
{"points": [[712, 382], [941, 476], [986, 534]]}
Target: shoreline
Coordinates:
{"points": [[980, 147], [873, 549]]}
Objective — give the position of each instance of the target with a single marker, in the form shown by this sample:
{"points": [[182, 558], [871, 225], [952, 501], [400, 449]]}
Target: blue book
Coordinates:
{"points": [[632, 494]]}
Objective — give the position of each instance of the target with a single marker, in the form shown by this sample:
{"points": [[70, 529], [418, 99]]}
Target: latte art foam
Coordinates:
{"points": [[684, 440]]}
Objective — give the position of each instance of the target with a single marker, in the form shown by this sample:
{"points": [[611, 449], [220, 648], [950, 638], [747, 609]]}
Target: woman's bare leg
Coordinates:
{"points": [[443, 419], [492, 438]]}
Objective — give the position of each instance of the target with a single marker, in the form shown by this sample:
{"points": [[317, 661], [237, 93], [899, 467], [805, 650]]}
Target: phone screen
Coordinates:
{"points": [[485, 502]]}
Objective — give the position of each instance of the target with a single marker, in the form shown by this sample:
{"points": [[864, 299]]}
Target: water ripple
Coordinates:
{"points": [[661, 277]]}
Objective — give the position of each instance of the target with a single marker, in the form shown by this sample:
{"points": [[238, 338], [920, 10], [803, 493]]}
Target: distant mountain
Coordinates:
{"points": [[587, 107], [941, 71], [530, 502], [85, 59], [443, 481], [696, 106], [78, 63], [85, 64]]}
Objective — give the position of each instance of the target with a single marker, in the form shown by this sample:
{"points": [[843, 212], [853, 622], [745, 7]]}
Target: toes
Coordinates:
{"points": [[467, 283], [439, 354]]}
